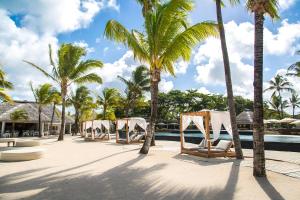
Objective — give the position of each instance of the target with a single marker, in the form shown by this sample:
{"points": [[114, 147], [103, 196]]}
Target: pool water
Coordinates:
{"points": [[268, 138]]}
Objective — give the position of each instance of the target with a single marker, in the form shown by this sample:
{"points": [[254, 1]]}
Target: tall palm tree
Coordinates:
{"points": [[4, 84], [278, 85], [70, 68], [18, 115], [230, 98], [79, 101], [108, 100], [43, 96], [294, 69], [295, 102], [259, 8], [136, 86], [166, 38]]}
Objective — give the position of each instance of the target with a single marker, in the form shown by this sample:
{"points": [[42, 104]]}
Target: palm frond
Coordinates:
{"points": [[41, 70], [115, 31], [88, 78]]}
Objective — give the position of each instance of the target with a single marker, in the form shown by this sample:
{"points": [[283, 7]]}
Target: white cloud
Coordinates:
{"points": [[57, 16], [209, 62], [285, 4], [121, 67], [204, 90], [113, 4], [165, 86], [105, 50], [40, 23], [84, 45]]}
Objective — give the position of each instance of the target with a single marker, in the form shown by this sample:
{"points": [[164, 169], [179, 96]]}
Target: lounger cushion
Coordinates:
{"points": [[203, 144], [132, 137], [27, 143], [211, 150], [224, 145], [138, 138], [21, 154]]}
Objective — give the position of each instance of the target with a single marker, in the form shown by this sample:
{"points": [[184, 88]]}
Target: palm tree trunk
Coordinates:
{"points": [[230, 98], [281, 106], [52, 117], [149, 140], [40, 121], [104, 112], [76, 122], [293, 112], [63, 117], [258, 127]]}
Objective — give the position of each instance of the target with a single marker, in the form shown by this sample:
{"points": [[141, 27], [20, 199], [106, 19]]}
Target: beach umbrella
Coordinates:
{"points": [[271, 121], [297, 122], [287, 120]]}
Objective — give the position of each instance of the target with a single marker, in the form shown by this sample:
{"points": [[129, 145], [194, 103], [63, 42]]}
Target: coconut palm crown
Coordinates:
{"points": [[69, 69], [167, 37]]}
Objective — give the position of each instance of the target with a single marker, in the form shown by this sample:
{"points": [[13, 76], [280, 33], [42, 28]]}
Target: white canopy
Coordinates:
{"points": [[99, 123], [217, 119], [287, 120], [132, 122], [121, 123], [198, 121], [88, 124]]}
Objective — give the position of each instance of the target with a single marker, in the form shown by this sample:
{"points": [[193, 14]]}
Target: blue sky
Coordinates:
{"points": [[27, 27]]}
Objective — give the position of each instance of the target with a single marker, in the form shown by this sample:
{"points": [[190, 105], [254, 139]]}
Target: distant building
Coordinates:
{"points": [[245, 120], [31, 124]]}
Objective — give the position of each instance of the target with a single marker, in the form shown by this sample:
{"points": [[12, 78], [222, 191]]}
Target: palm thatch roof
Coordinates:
{"points": [[31, 109], [245, 117]]}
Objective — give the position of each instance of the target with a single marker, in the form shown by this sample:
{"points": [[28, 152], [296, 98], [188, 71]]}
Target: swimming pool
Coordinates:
{"points": [[272, 142], [268, 138]]}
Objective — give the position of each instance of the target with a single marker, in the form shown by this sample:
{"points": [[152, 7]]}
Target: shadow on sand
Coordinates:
{"points": [[124, 181]]}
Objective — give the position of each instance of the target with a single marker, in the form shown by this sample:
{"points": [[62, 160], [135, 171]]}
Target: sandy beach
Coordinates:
{"points": [[74, 169]]}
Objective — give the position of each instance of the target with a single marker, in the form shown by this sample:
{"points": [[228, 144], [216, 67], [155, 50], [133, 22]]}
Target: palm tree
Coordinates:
{"points": [[230, 98], [56, 100], [4, 84], [43, 96], [259, 8], [295, 102], [79, 101], [294, 69], [18, 115], [166, 38], [136, 86], [275, 103], [70, 68], [108, 100], [278, 85]]}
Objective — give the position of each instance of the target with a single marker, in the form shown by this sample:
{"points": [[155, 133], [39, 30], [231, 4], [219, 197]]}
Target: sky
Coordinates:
{"points": [[28, 26]]}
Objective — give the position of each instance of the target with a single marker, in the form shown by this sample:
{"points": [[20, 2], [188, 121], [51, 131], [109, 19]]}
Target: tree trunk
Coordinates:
{"points": [[258, 126], [230, 98], [281, 106], [104, 112], [155, 79], [52, 117], [293, 112], [63, 117], [76, 122], [40, 121]]}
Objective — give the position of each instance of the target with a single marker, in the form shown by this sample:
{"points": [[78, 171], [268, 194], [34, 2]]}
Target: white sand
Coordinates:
{"points": [[74, 169]]}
